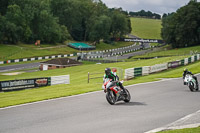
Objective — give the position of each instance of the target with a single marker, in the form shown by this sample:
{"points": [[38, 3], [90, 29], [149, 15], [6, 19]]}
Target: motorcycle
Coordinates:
{"points": [[190, 82], [114, 93]]}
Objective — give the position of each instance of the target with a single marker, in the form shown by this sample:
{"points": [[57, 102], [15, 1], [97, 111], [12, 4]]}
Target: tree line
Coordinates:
{"points": [[182, 28], [53, 21], [146, 14]]}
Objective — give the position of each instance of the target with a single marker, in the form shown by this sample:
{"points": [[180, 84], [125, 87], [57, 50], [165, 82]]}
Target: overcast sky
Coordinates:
{"points": [[155, 6]]}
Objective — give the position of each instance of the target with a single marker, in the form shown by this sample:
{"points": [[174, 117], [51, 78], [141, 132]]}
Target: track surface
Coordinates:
{"points": [[152, 105], [19, 67]]}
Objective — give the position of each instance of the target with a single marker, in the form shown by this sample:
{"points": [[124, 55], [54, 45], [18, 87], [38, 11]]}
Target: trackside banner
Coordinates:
{"points": [[174, 64], [24, 84], [137, 40]]}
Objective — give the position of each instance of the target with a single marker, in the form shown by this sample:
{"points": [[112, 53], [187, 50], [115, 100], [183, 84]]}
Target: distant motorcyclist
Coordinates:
{"points": [[185, 72], [112, 75]]}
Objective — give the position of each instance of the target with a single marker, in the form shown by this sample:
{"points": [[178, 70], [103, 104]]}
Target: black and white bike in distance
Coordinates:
{"points": [[190, 82]]}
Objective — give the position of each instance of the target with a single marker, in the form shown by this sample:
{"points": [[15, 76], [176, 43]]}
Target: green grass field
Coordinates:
{"points": [[30, 50], [167, 51], [146, 28]]}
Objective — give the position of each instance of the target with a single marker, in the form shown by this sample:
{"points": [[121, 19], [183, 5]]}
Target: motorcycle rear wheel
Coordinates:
{"points": [[111, 97]]}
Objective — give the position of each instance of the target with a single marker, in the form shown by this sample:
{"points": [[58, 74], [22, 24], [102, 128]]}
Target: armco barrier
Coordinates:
{"points": [[137, 71], [75, 54], [189, 60], [36, 58], [158, 67], [182, 62], [133, 72], [195, 58], [145, 70], [186, 61], [129, 73], [192, 59]]}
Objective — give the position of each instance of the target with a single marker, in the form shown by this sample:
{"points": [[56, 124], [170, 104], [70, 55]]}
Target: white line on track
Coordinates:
{"points": [[171, 127]]}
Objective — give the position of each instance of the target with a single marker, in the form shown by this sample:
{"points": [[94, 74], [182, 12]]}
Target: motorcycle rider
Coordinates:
{"points": [[112, 75], [185, 72]]}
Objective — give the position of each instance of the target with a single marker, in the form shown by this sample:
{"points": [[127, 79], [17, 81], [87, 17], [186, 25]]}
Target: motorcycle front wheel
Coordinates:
{"points": [[191, 86], [111, 97], [128, 96]]}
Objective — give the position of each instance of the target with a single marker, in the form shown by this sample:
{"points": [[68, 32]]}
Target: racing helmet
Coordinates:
{"points": [[114, 69], [185, 70], [107, 71]]}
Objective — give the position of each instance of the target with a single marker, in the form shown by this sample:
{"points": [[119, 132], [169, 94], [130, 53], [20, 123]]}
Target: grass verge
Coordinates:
{"points": [[186, 130]]}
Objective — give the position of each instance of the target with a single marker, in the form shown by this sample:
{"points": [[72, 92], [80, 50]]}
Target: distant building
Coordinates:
{"points": [[58, 63]]}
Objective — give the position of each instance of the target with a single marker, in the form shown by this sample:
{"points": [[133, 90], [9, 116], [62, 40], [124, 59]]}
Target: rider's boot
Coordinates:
{"points": [[124, 92]]}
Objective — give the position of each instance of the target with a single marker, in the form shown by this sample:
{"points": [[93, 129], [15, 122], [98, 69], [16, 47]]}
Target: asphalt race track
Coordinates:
{"points": [[153, 105], [19, 67]]}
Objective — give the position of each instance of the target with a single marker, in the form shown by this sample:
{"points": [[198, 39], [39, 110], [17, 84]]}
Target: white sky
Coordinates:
{"points": [[155, 6]]}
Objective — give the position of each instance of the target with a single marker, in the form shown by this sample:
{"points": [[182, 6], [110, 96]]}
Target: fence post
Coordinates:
{"points": [[88, 77]]}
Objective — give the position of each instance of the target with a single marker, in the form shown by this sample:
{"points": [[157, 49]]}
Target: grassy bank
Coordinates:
{"points": [[30, 50], [146, 28], [167, 51]]}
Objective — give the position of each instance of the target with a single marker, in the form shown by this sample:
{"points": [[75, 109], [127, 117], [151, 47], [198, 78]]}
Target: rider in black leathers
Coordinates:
{"points": [[185, 72], [109, 74]]}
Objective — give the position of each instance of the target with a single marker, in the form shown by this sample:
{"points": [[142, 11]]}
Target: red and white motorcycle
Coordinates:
{"points": [[114, 93]]}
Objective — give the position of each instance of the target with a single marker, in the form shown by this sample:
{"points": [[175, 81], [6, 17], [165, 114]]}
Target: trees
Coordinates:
{"points": [[31, 20], [3, 6], [120, 25], [143, 13], [15, 22], [90, 21], [181, 29], [54, 21], [100, 29]]}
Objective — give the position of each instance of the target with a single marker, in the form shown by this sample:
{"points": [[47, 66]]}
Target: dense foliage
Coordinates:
{"points": [[146, 14], [182, 28], [54, 21]]}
